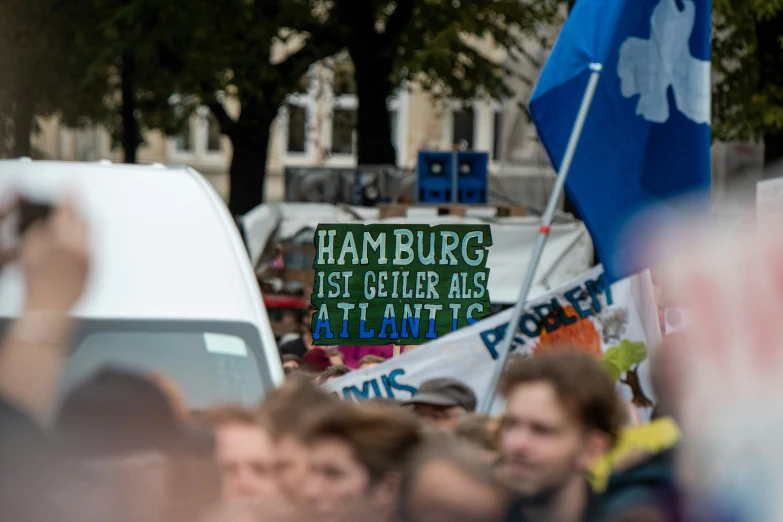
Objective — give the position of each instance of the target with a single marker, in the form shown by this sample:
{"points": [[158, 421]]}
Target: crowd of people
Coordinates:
{"points": [[298, 352], [125, 446]]}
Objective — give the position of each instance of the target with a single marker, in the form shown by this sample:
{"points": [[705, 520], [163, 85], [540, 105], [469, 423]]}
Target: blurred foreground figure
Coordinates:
{"points": [[259, 509], [442, 403], [286, 412], [480, 431], [727, 373], [54, 256], [245, 453], [124, 430], [450, 480], [358, 452], [562, 415]]}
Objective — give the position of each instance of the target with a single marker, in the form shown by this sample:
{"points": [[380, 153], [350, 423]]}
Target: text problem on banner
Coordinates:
{"points": [[401, 284]]}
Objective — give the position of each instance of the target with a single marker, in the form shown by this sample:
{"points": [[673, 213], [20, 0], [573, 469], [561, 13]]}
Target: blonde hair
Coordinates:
{"points": [[371, 359]]}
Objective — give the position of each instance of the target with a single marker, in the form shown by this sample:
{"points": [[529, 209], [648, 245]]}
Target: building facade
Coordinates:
{"points": [[316, 127]]}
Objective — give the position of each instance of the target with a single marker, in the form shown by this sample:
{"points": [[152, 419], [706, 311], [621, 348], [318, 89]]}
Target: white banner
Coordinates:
{"points": [[616, 323], [568, 251]]}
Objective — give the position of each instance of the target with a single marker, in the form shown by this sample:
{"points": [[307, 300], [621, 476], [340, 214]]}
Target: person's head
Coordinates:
{"points": [[336, 357], [245, 453], [370, 361], [286, 412], [117, 412], [131, 432], [481, 432], [307, 319], [292, 361], [332, 373], [316, 360], [562, 413], [442, 403], [450, 480], [357, 454]]}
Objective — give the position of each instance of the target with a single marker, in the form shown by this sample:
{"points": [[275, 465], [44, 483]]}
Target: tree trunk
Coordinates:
{"points": [[373, 127], [130, 126], [247, 174], [773, 148], [768, 52], [23, 113]]}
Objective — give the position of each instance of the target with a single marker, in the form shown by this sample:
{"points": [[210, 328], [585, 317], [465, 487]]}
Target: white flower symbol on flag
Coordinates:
{"points": [[649, 67]]}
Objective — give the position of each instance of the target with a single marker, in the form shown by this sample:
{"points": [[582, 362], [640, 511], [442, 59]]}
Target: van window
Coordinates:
{"points": [[211, 362]]}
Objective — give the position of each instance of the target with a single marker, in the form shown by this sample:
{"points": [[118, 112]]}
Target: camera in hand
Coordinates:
{"points": [[30, 212]]}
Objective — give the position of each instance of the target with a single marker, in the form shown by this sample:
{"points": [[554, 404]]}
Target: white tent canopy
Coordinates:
{"points": [[568, 253]]}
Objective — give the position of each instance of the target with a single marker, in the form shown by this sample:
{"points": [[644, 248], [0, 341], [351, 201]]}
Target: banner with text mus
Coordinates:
{"points": [[614, 323], [401, 284]]}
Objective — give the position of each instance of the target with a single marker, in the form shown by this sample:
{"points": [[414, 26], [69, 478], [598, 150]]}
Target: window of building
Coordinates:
{"points": [[394, 118], [343, 130], [463, 127], [344, 82], [297, 128], [214, 136], [182, 141]]}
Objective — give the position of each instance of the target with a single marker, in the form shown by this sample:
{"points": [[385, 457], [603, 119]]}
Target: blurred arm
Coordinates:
{"points": [[54, 258]]}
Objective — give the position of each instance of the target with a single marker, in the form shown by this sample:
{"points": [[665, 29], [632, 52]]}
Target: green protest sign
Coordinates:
{"points": [[401, 284]]}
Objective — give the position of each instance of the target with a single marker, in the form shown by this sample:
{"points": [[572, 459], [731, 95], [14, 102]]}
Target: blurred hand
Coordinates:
{"points": [[726, 371], [54, 256]]}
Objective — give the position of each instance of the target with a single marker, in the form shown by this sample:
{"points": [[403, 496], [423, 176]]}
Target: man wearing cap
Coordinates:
{"points": [[441, 403]]}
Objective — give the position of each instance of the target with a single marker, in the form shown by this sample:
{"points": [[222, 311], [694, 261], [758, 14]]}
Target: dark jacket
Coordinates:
{"points": [[592, 512], [651, 484], [647, 484]]}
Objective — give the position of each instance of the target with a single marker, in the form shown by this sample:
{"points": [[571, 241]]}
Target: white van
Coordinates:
{"points": [[171, 289]]}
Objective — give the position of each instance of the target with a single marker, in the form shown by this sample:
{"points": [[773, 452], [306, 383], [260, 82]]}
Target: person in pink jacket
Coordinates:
{"points": [[353, 354]]}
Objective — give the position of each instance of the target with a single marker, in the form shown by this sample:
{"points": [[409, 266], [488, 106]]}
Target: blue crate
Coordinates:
{"points": [[472, 177], [435, 177]]}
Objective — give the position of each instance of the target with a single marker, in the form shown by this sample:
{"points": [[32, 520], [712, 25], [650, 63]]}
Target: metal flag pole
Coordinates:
{"points": [[543, 234]]}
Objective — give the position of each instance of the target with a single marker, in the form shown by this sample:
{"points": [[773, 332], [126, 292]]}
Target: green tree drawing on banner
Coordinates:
{"points": [[624, 359]]}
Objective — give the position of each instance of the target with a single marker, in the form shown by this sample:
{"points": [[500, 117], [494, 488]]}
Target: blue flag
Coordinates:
{"points": [[647, 134]]}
